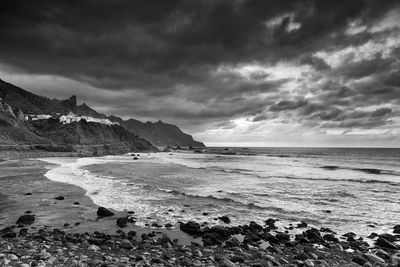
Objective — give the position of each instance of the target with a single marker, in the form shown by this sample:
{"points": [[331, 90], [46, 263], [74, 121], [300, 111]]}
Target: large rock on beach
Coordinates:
{"points": [[191, 228], [122, 222], [382, 242], [103, 212], [225, 219], [26, 219]]}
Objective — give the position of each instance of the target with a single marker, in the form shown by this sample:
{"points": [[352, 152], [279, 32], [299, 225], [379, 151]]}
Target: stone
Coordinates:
{"points": [[126, 244], [382, 242], [165, 240], [302, 224], [27, 219], [191, 228], [59, 198], [225, 219], [103, 212], [77, 203], [374, 258], [122, 222], [359, 260], [13, 257]]}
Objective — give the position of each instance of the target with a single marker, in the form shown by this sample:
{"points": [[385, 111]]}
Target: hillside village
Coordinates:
{"points": [[69, 118]]}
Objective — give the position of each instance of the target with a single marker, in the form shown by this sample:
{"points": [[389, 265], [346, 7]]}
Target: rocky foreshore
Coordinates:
{"points": [[246, 245]]}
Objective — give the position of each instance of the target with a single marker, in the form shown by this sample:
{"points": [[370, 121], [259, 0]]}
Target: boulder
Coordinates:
{"points": [[396, 229], [59, 198], [359, 260], [103, 212], [26, 219], [122, 222], [382, 242], [313, 235], [191, 228], [302, 224], [225, 219]]}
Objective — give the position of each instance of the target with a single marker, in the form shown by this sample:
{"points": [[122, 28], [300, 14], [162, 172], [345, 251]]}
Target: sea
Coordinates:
{"points": [[344, 189]]}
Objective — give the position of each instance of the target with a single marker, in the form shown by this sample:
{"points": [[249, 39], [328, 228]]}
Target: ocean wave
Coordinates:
{"points": [[365, 170]]}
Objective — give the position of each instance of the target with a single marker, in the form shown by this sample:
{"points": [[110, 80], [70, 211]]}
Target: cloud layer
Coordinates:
{"points": [[285, 72]]}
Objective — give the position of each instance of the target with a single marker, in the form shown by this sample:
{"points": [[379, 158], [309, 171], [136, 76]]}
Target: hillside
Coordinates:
{"points": [[89, 133], [159, 133], [50, 135]]}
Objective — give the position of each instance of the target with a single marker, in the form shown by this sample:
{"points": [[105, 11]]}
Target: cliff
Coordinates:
{"points": [[159, 133], [22, 102]]}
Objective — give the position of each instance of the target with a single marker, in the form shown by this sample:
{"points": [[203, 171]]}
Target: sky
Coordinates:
{"points": [[229, 72]]}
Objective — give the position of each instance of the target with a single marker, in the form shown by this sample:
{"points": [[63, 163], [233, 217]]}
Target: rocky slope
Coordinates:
{"points": [[92, 135], [159, 133], [50, 135]]}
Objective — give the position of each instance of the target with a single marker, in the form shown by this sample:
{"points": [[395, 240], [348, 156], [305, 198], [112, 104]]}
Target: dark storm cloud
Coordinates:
{"points": [[160, 59], [288, 105]]}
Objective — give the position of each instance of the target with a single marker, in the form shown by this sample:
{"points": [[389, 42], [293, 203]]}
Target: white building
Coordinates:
{"points": [[71, 117]]}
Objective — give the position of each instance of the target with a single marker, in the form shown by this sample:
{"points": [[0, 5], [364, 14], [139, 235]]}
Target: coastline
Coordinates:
{"points": [[246, 245]]}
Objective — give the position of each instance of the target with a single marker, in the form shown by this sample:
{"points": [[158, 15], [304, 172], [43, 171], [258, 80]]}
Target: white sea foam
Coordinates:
{"points": [[293, 187]]}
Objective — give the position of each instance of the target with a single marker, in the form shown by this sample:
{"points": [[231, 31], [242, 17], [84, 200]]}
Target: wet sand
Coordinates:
{"points": [[24, 188]]}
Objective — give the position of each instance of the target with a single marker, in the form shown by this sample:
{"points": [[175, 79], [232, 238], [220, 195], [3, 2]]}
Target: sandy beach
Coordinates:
{"points": [[67, 231]]}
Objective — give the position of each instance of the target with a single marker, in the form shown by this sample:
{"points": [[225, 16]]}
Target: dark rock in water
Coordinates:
{"points": [[331, 238], [28, 212], [205, 213], [382, 242], [225, 219], [302, 225], [313, 235], [131, 212], [156, 225], [255, 227], [23, 232], [351, 238], [396, 229], [168, 225], [66, 225], [373, 235], [271, 223], [103, 212], [122, 222], [28, 194], [191, 228], [26, 219], [132, 233], [359, 260], [388, 237], [59, 198], [77, 203]]}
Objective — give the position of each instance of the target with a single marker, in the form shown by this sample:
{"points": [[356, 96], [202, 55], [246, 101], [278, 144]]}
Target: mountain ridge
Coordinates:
{"points": [[25, 102]]}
